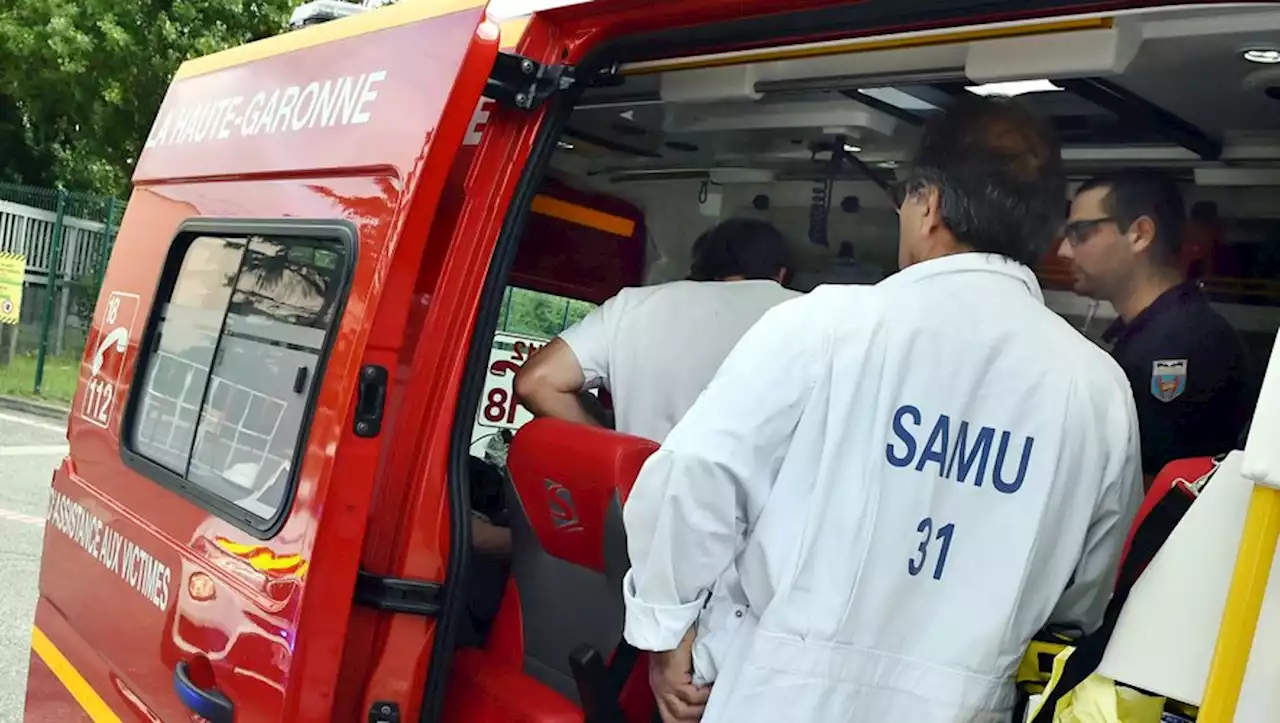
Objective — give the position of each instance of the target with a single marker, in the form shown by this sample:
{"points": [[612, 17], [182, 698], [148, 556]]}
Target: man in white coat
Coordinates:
{"points": [[891, 488]]}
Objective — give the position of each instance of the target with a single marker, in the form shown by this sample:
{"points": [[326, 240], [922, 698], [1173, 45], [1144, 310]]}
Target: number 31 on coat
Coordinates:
{"points": [[933, 545]]}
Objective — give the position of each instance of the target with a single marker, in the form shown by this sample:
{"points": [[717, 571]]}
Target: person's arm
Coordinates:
{"points": [[712, 474], [1205, 417], [548, 384], [1085, 599], [1159, 425], [488, 538]]}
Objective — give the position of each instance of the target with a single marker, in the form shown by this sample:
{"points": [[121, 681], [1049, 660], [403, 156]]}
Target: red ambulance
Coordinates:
{"points": [[265, 512]]}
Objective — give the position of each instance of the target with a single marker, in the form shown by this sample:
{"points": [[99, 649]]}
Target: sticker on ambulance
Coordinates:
{"points": [[110, 348], [498, 406], [139, 569]]}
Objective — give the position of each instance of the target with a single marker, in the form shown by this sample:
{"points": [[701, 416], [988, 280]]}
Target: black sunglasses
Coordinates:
{"points": [[1079, 231]]}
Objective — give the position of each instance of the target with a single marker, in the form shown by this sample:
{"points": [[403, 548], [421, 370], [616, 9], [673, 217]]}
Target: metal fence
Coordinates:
{"points": [[54, 246]]}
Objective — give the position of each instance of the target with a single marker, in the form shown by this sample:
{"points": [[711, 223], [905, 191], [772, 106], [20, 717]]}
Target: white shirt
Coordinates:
{"points": [[890, 488], [842, 271], [656, 347]]}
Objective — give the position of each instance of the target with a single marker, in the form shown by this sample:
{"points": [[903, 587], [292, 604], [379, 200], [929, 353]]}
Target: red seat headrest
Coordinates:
{"points": [[566, 476], [1179, 470]]}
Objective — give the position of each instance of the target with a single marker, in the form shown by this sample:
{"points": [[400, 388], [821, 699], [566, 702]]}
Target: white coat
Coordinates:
{"points": [[890, 489]]}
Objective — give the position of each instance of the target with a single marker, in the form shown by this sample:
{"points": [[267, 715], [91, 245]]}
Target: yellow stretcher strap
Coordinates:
{"points": [[1036, 665], [1044, 662], [1244, 601]]}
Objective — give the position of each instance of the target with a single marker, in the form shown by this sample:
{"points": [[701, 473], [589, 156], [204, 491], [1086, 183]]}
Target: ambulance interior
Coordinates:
{"points": [[667, 149]]}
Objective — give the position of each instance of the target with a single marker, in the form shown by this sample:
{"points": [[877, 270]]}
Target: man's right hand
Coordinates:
{"points": [[671, 677]]}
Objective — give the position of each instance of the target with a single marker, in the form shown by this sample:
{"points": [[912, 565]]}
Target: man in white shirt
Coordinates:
{"points": [[892, 488], [656, 347]]}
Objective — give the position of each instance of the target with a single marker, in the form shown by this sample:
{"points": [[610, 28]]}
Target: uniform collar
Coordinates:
{"points": [[1171, 299], [971, 261]]}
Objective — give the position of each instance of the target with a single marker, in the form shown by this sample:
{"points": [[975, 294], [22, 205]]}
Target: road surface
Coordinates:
{"points": [[30, 447]]}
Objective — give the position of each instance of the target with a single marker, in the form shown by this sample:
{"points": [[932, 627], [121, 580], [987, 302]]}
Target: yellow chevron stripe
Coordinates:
{"points": [[92, 703]]}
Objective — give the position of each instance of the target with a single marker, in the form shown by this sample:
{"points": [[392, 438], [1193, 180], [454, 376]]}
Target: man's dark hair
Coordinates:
{"points": [[1205, 212], [997, 168], [745, 247], [1137, 192]]}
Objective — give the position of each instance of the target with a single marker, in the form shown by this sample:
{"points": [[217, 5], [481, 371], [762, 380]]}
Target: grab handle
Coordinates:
{"points": [[208, 703]]}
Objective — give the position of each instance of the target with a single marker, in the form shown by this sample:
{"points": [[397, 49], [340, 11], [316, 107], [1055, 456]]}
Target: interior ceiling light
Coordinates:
{"points": [[1263, 55], [565, 145], [850, 148], [1012, 88], [898, 99]]}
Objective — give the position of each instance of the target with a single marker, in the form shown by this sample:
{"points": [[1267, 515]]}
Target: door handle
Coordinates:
{"points": [[208, 703], [371, 397]]}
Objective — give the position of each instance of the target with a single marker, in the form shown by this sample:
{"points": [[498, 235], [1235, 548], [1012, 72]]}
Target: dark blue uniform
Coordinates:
{"points": [[1191, 376]]}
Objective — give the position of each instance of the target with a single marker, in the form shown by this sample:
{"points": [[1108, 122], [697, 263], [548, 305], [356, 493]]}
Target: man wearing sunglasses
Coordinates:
{"points": [[887, 489], [1188, 368]]}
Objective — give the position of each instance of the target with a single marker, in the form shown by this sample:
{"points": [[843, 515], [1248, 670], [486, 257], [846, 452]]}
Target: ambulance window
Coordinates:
{"points": [[234, 358], [527, 320]]}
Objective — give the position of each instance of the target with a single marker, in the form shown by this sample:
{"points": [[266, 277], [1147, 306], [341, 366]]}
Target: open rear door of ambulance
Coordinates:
{"points": [[205, 534]]}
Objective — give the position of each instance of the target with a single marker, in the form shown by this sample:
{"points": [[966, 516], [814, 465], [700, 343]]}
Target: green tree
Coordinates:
{"points": [[577, 311], [81, 80], [532, 312], [294, 283]]}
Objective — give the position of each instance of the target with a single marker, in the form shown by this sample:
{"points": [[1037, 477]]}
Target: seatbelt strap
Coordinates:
{"points": [[1154, 529], [600, 685], [623, 662]]}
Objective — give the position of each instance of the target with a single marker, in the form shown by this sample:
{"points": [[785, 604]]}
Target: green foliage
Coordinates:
{"points": [[81, 80], [296, 283], [82, 294], [538, 314], [60, 377]]}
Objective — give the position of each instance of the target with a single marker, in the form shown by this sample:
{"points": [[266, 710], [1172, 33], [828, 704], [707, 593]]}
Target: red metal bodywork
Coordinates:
{"points": [[279, 632], [272, 635]]}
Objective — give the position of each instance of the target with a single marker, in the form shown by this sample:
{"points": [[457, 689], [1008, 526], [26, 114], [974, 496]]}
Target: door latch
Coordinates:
{"points": [[398, 595], [383, 712], [371, 399], [519, 82]]}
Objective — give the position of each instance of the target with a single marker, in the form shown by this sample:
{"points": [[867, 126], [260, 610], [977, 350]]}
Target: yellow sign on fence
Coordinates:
{"points": [[13, 268]]}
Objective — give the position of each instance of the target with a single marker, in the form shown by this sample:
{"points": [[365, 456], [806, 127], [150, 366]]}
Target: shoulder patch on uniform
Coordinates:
{"points": [[1168, 379]]}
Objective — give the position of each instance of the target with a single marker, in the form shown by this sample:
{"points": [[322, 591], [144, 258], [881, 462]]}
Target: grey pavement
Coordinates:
{"points": [[30, 448]]}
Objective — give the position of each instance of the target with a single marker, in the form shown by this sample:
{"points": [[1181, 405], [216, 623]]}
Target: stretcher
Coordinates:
{"points": [[1166, 501]]}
